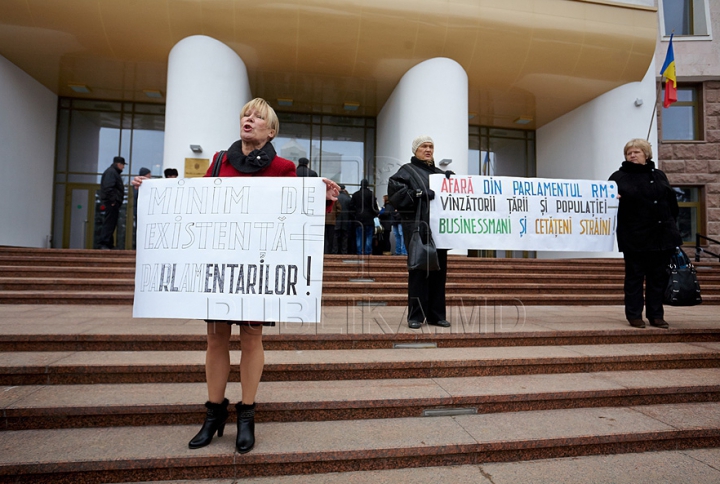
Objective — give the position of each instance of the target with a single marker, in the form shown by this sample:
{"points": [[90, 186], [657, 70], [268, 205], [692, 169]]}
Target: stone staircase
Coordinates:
{"points": [[51, 276], [89, 394]]}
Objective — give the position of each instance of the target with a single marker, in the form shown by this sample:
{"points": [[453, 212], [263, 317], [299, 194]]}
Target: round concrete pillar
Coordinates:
{"points": [[206, 88]]}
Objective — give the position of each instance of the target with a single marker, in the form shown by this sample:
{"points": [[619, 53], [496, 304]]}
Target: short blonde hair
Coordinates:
{"points": [[268, 113], [641, 144]]}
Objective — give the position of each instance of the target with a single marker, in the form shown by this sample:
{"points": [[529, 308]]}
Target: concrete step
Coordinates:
{"points": [[697, 466], [290, 338], [358, 298], [86, 367], [140, 404], [160, 452]]}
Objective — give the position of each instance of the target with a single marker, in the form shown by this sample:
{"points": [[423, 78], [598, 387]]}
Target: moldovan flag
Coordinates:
{"points": [[668, 72]]}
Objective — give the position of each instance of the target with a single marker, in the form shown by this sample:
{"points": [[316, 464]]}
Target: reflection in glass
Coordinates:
{"points": [[678, 123], [147, 151], [342, 154], [509, 158], [293, 142], [687, 223], [678, 16], [94, 140]]}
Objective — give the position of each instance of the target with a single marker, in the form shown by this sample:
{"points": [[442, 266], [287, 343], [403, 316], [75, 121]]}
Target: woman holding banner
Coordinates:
{"points": [[251, 155], [409, 192], [647, 232]]}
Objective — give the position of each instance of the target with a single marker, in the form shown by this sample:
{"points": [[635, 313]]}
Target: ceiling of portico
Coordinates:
{"points": [[524, 58]]}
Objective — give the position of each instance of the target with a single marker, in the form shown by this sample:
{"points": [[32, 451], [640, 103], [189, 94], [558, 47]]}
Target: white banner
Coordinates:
{"points": [[507, 213], [242, 249]]}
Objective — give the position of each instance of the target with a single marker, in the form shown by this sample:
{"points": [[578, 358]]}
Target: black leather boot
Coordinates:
{"points": [[217, 414], [245, 427]]}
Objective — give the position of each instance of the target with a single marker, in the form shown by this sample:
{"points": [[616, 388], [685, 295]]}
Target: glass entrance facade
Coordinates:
{"points": [[342, 148], [90, 133]]}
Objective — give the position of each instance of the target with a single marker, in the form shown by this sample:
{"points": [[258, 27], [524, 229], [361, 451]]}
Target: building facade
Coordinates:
{"points": [[689, 130], [546, 88]]}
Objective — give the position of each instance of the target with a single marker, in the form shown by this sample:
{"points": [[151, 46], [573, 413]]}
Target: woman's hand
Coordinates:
{"points": [[332, 189], [137, 181]]}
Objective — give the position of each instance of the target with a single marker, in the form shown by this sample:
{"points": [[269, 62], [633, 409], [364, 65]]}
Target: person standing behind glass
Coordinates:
{"points": [[303, 168], [647, 232], [366, 210], [409, 189]]}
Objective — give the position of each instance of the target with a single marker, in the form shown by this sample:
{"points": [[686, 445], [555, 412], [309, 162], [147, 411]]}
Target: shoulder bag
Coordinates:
{"points": [[683, 288], [422, 256], [217, 164]]}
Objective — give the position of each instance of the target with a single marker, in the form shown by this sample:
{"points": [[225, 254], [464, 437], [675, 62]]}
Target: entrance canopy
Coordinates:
{"points": [[528, 61]]}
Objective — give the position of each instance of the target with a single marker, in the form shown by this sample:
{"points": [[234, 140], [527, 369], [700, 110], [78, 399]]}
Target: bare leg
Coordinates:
{"points": [[217, 360], [252, 360]]}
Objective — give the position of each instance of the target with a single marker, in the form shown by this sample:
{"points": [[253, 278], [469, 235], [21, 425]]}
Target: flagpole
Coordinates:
{"points": [[657, 100]]}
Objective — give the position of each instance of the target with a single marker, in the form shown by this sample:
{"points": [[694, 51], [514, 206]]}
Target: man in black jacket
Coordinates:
{"points": [[366, 209], [112, 193], [303, 168]]}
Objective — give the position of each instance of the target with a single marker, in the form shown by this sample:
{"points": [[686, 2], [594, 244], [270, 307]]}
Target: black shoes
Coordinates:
{"points": [[215, 419], [416, 324], [245, 427], [659, 323], [442, 323]]}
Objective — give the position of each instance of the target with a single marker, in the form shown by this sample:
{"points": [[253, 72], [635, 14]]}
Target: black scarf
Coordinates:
{"points": [[630, 167], [252, 163], [428, 165]]}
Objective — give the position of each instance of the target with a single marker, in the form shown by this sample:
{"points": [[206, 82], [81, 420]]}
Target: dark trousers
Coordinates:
{"points": [[426, 292], [649, 267], [341, 241], [329, 238], [112, 213]]}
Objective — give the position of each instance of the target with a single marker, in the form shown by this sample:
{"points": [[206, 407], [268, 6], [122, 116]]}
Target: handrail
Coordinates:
{"points": [[699, 250]]}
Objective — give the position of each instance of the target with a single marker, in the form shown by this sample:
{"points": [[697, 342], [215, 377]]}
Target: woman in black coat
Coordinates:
{"points": [[409, 189], [647, 232]]}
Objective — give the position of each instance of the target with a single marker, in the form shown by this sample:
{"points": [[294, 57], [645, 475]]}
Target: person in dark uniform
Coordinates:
{"points": [[112, 193]]}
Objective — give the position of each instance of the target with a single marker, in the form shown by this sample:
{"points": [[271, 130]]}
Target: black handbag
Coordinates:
{"points": [[683, 288], [422, 256]]}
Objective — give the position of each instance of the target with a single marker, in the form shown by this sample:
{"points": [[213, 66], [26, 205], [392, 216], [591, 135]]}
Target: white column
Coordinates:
{"points": [[206, 88], [430, 99], [587, 143]]}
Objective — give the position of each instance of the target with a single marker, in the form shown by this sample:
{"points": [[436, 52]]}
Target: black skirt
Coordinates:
{"points": [[241, 323]]}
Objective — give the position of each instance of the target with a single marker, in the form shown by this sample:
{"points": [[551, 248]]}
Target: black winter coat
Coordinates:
{"points": [[112, 189], [365, 205], [648, 209], [402, 189], [304, 170], [345, 217]]}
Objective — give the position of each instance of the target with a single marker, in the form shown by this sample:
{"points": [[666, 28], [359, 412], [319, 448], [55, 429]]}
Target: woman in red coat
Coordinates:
{"points": [[251, 155]]}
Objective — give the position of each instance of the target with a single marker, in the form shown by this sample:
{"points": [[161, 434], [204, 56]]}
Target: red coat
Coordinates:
{"points": [[278, 167]]}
